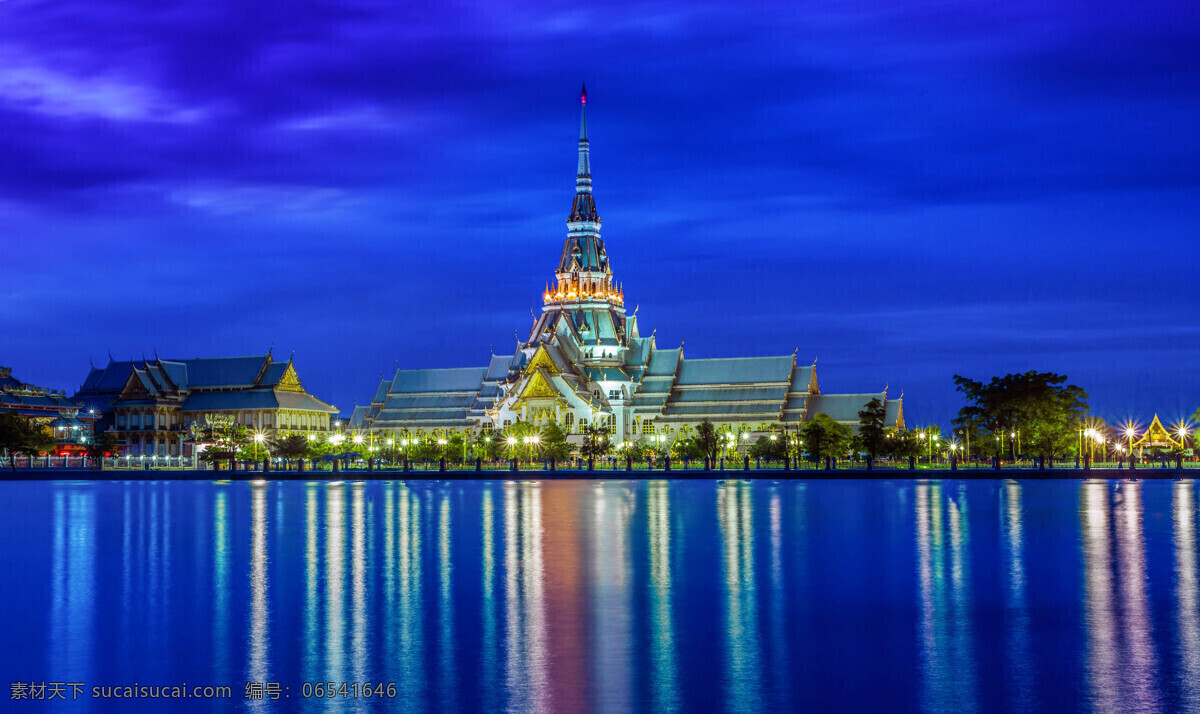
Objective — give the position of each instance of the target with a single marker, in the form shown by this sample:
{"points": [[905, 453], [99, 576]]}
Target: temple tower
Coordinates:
{"points": [[584, 293]]}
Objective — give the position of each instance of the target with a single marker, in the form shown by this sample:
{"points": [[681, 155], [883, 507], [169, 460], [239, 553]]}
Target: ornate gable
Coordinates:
{"points": [[541, 359], [133, 389], [290, 380], [539, 387]]}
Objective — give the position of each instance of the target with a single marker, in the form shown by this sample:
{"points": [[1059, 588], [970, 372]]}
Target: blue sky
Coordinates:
{"points": [[904, 190]]}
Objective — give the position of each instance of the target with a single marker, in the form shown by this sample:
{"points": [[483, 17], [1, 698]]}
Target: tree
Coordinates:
{"points": [[455, 447], [766, 447], [1046, 410], [292, 446], [525, 445], [489, 444], [554, 442], [424, 449], [871, 432], [104, 444], [595, 441], [903, 444], [687, 448], [224, 436], [23, 437], [707, 439], [825, 438]]}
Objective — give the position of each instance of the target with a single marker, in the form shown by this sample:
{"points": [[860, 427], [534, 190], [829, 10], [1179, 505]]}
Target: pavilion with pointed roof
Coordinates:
{"points": [[586, 362], [1157, 437], [150, 405]]}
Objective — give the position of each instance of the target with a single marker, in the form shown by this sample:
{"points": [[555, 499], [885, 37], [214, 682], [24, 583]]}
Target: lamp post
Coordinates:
{"points": [[1129, 434], [258, 439]]}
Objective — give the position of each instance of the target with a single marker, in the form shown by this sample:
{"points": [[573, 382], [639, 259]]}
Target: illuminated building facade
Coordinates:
{"points": [[586, 362], [151, 405]]}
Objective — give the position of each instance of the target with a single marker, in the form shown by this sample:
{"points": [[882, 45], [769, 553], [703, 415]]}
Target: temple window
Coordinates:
{"points": [[648, 427]]}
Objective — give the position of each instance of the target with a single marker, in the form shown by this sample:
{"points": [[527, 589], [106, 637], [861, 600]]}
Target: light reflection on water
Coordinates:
{"points": [[1187, 596], [946, 628], [1021, 665], [666, 684], [614, 596]]}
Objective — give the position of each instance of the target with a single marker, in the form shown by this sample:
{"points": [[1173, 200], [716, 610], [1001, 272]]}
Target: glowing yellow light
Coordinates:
{"points": [[441, 442], [512, 440]]}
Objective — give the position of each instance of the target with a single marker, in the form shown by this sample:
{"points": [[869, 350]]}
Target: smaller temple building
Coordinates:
{"points": [[50, 407], [150, 405], [1157, 437]]}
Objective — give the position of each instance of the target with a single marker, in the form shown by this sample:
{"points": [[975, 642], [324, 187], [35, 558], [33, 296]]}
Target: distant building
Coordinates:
{"points": [[60, 416], [1157, 437], [151, 405], [585, 362]]}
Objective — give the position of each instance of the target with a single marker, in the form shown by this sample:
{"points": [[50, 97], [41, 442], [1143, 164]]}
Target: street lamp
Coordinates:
{"points": [[258, 439]]}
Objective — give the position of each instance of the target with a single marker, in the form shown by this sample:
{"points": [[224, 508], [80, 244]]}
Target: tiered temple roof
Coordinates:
{"points": [[199, 385]]}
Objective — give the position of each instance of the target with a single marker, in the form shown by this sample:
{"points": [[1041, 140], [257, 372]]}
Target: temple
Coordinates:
{"points": [[150, 405], [1157, 437], [586, 362], [59, 416]]}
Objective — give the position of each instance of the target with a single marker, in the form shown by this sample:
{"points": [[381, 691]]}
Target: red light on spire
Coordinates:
{"points": [[583, 95]]}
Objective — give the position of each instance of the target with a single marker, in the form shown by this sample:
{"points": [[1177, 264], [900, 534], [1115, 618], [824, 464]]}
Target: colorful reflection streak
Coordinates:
{"points": [[1187, 595], [72, 574], [735, 516], [946, 627], [1020, 685], [662, 644]]}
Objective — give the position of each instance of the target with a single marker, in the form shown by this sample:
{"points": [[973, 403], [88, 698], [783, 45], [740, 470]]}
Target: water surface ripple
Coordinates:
{"points": [[574, 596]]}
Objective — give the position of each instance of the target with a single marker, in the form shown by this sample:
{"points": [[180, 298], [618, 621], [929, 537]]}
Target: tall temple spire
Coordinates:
{"points": [[585, 169], [584, 206]]}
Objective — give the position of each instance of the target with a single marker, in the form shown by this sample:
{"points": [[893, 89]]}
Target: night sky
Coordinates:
{"points": [[903, 190]]}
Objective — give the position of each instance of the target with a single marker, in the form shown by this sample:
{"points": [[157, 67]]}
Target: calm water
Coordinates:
{"points": [[575, 596]]}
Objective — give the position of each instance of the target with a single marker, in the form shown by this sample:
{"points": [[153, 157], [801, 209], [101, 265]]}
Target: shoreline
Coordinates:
{"points": [[37, 474]]}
